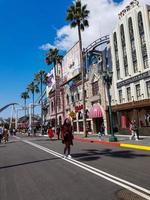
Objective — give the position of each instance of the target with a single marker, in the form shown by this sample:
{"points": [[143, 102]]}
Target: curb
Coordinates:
{"points": [[133, 146], [115, 144]]}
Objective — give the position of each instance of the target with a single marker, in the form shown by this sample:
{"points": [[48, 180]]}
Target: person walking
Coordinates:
{"points": [[50, 132], [5, 135], [58, 132], [102, 131], [67, 137], [1, 132], [134, 130]]}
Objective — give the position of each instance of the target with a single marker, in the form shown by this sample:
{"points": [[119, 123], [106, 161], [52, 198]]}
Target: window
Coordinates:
{"points": [[72, 98], [145, 61], [135, 68], [74, 126], [140, 23], [138, 91], [120, 96], [80, 126], [129, 94], [59, 103], [132, 45], [67, 97], [95, 88], [118, 73], [131, 33], [142, 37], [126, 70], [52, 106], [115, 42], [148, 88], [78, 96]]}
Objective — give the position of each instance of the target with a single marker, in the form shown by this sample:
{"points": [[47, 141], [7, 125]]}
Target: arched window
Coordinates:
{"points": [[131, 33], [124, 52], [140, 23], [132, 41], [142, 38], [116, 55]]}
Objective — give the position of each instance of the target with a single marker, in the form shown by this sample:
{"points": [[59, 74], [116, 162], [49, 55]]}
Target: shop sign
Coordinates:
{"points": [[134, 79], [78, 108]]}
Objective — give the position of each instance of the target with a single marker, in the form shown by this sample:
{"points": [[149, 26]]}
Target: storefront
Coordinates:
{"points": [[96, 115], [123, 114]]}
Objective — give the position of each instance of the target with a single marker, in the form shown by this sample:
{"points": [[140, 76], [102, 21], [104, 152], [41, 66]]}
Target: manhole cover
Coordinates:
{"points": [[127, 195]]}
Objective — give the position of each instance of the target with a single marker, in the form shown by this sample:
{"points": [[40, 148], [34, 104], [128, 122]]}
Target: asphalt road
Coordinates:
{"points": [[33, 168]]}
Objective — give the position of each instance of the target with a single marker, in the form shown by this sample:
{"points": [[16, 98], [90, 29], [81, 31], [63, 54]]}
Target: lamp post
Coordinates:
{"points": [[107, 78]]}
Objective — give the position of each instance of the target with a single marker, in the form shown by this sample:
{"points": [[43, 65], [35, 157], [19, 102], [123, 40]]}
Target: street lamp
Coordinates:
{"points": [[107, 78]]}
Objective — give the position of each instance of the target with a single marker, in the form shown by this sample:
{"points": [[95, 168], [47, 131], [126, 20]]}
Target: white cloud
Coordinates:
{"points": [[102, 20], [46, 46]]}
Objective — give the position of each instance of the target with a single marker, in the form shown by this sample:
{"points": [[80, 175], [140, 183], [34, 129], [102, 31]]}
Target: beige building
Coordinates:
{"points": [[130, 49]]}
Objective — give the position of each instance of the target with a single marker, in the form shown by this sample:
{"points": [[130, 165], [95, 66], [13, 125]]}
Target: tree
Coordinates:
{"points": [[25, 96], [33, 88], [54, 58], [77, 15], [41, 78]]}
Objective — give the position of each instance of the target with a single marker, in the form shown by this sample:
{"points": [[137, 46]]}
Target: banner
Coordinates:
{"points": [[71, 63]]}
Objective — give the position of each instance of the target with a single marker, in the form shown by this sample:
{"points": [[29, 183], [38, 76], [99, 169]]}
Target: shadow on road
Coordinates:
{"points": [[27, 163], [94, 154]]}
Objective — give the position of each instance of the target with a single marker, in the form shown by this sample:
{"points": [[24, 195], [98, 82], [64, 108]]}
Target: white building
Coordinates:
{"points": [[130, 49]]}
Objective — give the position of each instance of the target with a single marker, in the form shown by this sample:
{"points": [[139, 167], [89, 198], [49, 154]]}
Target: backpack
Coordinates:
{"points": [[1, 131]]}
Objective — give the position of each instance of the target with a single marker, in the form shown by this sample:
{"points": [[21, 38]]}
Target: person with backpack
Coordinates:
{"points": [[1, 132]]}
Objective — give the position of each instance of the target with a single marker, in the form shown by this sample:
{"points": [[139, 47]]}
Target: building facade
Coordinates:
{"points": [[130, 50], [69, 95]]}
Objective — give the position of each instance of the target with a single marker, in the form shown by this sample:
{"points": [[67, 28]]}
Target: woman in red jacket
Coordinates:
{"points": [[50, 133], [67, 137]]}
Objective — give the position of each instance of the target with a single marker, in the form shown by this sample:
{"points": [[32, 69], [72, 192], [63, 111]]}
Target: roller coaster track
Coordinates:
{"points": [[96, 43], [8, 105]]}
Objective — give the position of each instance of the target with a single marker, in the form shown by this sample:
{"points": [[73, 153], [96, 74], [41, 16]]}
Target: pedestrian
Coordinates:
{"points": [[14, 131], [1, 132], [67, 137], [102, 131], [134, 130], [5, 134], [58, 132], [50, 132]]}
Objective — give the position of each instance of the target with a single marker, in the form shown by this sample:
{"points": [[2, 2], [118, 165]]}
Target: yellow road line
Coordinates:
{"points": [[147, 148]]}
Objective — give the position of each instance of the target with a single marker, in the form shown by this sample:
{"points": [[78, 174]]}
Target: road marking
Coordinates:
{"points": [[121, 182], [133, 146]]}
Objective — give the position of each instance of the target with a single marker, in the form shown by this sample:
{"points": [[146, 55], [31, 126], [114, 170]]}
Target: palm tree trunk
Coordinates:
{"points": [[41, 103], [83, 80], [25, 106], [33, 108], [55, 96]]}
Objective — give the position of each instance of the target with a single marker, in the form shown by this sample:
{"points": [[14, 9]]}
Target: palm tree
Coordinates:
{"points": [[41, 78], [54, 58], [25, 96], [77, 15], [33, 88]]}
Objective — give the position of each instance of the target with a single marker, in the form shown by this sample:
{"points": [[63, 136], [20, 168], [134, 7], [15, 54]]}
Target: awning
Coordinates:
{"points": [[96, 111]]}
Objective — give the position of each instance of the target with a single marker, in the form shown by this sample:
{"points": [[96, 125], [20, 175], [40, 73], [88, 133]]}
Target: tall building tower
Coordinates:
{"points": [[130, 49]]}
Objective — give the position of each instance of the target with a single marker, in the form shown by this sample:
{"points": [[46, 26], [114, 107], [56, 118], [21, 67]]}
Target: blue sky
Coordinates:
{"points": [[24, 26]]}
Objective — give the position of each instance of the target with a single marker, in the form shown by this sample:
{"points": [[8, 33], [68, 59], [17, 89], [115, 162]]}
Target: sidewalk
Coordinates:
{"points": [[123, 141]]}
